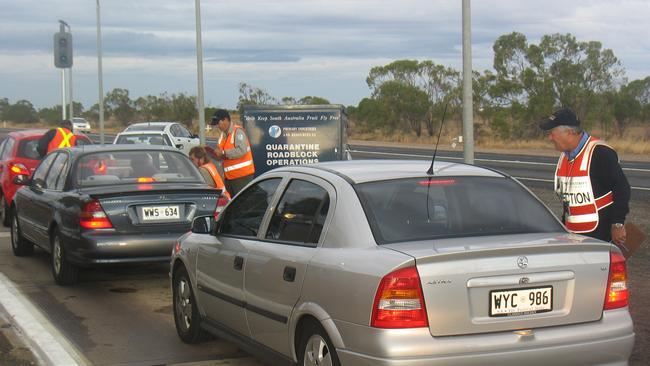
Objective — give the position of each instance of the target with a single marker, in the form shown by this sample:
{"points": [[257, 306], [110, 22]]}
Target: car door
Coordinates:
{"points": [[277, 263], [222, 259], [33, 202]]}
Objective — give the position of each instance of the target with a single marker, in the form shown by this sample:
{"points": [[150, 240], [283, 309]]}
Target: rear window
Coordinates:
{"points": [[148, 139], [27, 149], [146, 127], [445, 207], [128, 167]]}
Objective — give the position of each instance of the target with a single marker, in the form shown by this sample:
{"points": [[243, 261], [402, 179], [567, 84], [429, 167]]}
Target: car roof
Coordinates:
{"points": [[142, 132], [87, 149], [27, 133], [362, 171], [149, 126]]}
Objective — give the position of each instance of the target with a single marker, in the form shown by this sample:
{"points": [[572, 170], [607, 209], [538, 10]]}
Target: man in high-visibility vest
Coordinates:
{"points": [[57, 138], [209, 171], [234, 151], [589, 179]]}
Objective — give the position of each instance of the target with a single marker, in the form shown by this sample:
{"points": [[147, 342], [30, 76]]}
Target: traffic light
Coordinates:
{"points": [[63, 50]]}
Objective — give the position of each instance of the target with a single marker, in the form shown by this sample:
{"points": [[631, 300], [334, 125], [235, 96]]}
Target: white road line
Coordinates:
{"points": [[5, 234], [45, 340], [487, 160]]}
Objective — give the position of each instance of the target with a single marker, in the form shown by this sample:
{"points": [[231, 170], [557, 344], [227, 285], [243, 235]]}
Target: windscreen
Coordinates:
{"points": [[128, 167], [444, 207], [148, 139]]}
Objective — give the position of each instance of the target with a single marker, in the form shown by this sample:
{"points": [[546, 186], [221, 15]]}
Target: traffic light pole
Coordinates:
{"points": [[64, 61], [63, 104]]}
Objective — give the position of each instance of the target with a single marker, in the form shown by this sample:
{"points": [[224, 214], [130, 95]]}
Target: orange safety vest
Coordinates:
{"points": [[62, 138], [216, 177], [240, 167], [573, 184]]}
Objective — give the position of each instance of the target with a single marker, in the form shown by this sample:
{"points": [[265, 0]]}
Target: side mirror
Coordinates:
{"points": [[203, 225], [21, 180]]}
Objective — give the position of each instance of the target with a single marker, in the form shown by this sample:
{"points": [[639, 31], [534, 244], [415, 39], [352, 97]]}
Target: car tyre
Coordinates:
{"points": [[315, 347], [4, 211], [186, 313], [64, 272], [19, 245]]}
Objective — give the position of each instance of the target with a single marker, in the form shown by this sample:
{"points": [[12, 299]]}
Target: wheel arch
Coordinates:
{"points": [[313, 312]]}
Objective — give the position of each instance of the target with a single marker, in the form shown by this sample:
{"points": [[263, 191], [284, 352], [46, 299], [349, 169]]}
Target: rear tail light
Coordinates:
{"points": [[18, 169], [221, 203], [617, 294], [146, 180], [399, 302], [92, 216]]}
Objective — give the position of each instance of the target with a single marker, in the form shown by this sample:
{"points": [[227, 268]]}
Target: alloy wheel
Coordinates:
{"points": [[184, 303], [317, 352], [56, 255]]}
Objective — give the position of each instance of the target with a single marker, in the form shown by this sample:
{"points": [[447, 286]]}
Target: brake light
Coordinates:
{"points": [[92, 216], [221, 203], [617, 294], [146, 180], [437, 182], [18, 169], [399, 302]]}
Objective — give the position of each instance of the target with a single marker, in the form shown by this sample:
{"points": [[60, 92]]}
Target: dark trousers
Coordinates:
{"points": [[233, 186]]}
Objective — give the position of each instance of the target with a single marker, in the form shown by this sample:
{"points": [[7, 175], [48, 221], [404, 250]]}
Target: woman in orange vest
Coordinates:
{"points": [[209, 171], [235, 152]]}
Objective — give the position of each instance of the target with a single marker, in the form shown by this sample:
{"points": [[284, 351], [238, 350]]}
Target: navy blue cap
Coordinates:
{"points": [[561, 117]]}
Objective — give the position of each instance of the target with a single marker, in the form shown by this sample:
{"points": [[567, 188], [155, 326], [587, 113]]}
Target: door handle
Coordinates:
{"points": [[238, 263], [289, 274]]}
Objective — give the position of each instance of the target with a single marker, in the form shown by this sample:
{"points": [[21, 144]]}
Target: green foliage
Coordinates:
{"points": [[250, 95], [119, 105], [21, 112], [407, 106]]}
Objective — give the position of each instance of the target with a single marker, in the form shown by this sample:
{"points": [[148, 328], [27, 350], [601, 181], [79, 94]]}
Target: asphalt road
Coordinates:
{"points": [[123, 316]]}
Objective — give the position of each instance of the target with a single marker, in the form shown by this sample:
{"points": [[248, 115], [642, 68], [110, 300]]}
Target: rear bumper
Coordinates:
{"points": [[608, 341], [94, 248]]}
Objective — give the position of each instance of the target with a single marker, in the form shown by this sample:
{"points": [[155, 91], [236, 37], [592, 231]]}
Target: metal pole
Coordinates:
{"points": [[99, 75], [71, 113], [63, 103], [199, 72], [468, 108]]}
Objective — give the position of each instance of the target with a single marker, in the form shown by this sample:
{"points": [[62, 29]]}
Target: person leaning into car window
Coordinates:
{"points": [[589, 179], [57, 138], [235, 152], [208, 170]]}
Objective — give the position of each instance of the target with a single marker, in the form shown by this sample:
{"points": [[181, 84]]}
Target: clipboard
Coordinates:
{"points": [[634, 238]]}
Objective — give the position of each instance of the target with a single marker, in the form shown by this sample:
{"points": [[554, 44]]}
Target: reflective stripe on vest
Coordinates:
{"points": [[239, 167], [573, 184], [62, 138], [216, 177]]}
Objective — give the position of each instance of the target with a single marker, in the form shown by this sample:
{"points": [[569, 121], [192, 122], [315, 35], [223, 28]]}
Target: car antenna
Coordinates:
{"points": [[435, 151]]}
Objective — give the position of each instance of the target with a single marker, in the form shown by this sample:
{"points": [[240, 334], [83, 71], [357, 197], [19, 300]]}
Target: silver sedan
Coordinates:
{"points": [[382, 263]]}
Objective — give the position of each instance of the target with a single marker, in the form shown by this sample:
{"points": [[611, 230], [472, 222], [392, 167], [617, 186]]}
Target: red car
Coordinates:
{"points": [[18, 155]]}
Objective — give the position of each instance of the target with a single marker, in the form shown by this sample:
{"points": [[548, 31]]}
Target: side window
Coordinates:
{"points": [[300, 214], [39, 174], [174, 129], [2, 145], [83, 141], [8, 147], [244, 215], [56, 177], [183, 132]]}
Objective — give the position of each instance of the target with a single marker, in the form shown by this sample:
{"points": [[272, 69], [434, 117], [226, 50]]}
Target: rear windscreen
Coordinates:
{"points": [[27, 149], [148, 139], [441, 207], [128, 167]]}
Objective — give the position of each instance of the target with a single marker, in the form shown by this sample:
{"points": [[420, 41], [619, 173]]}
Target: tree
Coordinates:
{"points": [[560, 71], [4, 104], [405, 104], [119, 105], [51, 115], [183, 108], [441, 84], [21, 112], [250, 95], [313, 100]]}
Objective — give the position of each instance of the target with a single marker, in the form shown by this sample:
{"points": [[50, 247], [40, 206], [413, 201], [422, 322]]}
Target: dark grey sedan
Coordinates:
{"points": [[106, 205]]}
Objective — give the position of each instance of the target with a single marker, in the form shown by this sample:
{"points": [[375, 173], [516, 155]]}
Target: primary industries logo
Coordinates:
{"points": [[275, 131]]}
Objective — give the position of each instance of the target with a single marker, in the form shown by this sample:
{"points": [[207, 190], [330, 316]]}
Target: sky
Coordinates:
{"points": [[292, 48]]}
